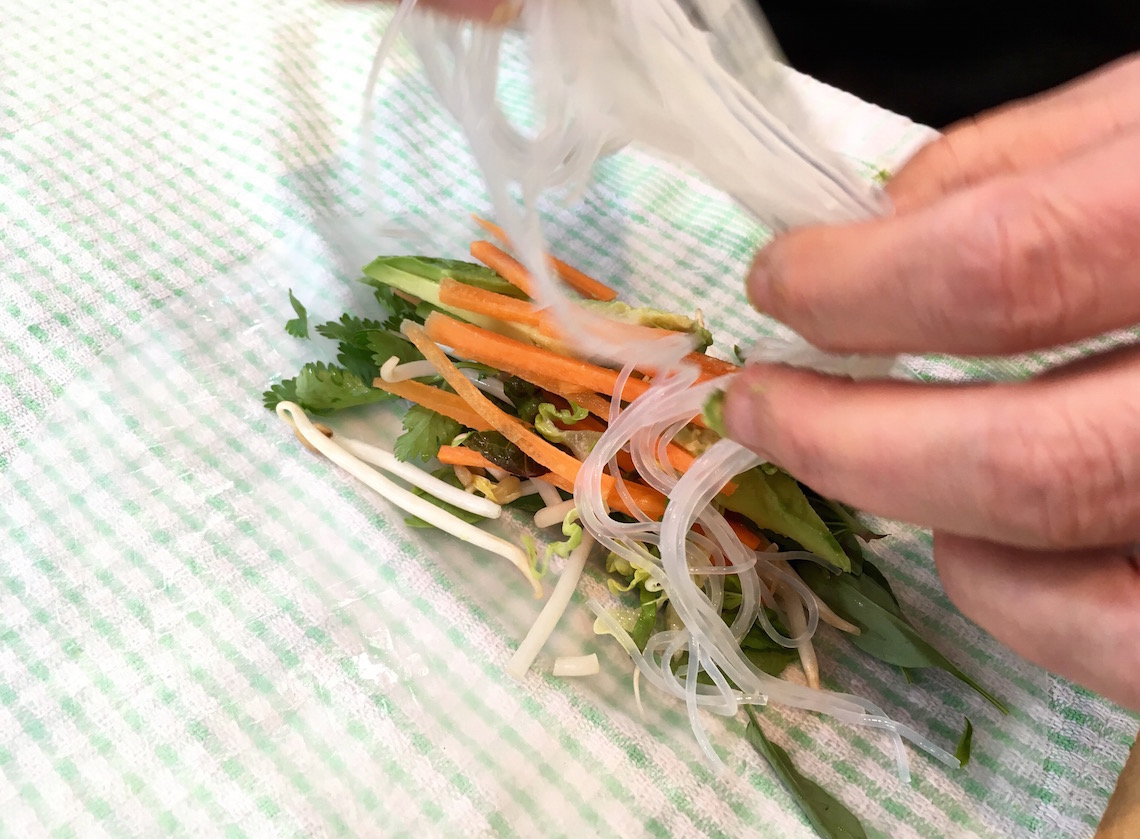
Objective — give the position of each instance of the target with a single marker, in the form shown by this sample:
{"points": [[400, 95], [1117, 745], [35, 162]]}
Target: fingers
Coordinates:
{"points": [[496, 11], [1019, 263], [1023, 136], [1052, 463], [1075, 614]]}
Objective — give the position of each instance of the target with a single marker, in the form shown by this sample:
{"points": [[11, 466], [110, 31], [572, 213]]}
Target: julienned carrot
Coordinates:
{"points": [[712, 367], [462, 456], [434, 399], [752, 541], [505, 265], [518, 358], [650, 501], [583, 283], [483, 302], [557, 461]]}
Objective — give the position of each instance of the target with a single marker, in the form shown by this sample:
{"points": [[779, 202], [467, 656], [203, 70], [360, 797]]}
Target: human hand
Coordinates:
{"points": [[1014, 232], [496, 11]]}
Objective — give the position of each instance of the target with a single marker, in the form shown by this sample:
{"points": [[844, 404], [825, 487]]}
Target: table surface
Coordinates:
{"points": [[204, 630]]}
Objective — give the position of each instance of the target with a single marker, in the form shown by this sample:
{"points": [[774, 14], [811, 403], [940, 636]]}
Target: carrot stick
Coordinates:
{"points": [[650, 501], [483, 302], [584, 284], [463, 456], [505, 265], [553, 458], [752, 541], [434, 399], [711, 367], [519, 359]]}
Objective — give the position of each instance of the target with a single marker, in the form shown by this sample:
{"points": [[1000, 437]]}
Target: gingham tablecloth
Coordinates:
{"points": [[207, 631]]}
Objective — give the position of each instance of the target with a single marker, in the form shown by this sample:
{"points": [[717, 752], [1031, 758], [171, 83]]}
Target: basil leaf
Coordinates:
{"points": [[776, 502], [884, 632], [504, 454], [826, 813], [965, 744]]}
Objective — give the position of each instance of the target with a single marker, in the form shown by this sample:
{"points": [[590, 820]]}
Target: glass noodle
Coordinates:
{"points": [[607, 73]]}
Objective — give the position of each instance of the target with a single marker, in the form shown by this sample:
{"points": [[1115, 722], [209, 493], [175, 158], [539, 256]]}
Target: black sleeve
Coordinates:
{"points": [[938, 61]]}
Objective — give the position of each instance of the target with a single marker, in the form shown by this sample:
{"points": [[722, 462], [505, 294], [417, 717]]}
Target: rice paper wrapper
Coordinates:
{"points": [[207, 630]]}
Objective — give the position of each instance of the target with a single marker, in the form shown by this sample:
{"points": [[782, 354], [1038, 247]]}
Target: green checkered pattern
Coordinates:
{"points": [[207, 631]]}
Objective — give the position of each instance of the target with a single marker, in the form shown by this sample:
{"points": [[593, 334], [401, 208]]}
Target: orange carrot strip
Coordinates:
{"points": [[751, 540], [584, 284], [519, 359], [712, 367], [505, 265], [483, 302], [553, 458], [434, 399], [650, 501], [462, 456]]}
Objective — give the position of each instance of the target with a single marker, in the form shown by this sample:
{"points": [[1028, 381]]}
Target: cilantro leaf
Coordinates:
{"points": [[298, 327], [285, 391], [383, 345], [399, 309], [358, 361], [347, 328], [424, 432], [322, 389]]}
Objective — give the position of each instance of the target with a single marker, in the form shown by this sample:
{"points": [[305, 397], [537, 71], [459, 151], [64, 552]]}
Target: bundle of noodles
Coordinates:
{"points": [[609, 72]]}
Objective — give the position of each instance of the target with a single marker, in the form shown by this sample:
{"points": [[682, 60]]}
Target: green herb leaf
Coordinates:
{"points": [[445, 474], [884, 632], [322, 389], [383, 345], [776, 502], [424, 432], [827, 814], [965, 744], [398, 308], [714, 413], [348, 328], [504, 454], [435, 270], [528, 504], [298, 327], [525, 396], [285, 391], [646, 618]]}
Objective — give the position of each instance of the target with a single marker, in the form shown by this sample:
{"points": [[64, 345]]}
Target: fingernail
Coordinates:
{"points": [[746, 414], [759, 283], [506, 12]]}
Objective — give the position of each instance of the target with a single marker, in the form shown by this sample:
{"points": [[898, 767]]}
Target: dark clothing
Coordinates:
{"points": [[937, 61]]}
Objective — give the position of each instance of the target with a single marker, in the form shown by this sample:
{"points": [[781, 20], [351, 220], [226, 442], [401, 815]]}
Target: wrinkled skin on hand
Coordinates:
{"points": [[1016, 231]]}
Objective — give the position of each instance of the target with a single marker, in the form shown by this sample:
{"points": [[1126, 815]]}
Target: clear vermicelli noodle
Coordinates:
{"points": [[607, 73]]}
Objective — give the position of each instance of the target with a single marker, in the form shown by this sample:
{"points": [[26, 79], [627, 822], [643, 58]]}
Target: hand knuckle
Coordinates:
{"points": [[1046, 482], [1025, 293]]}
